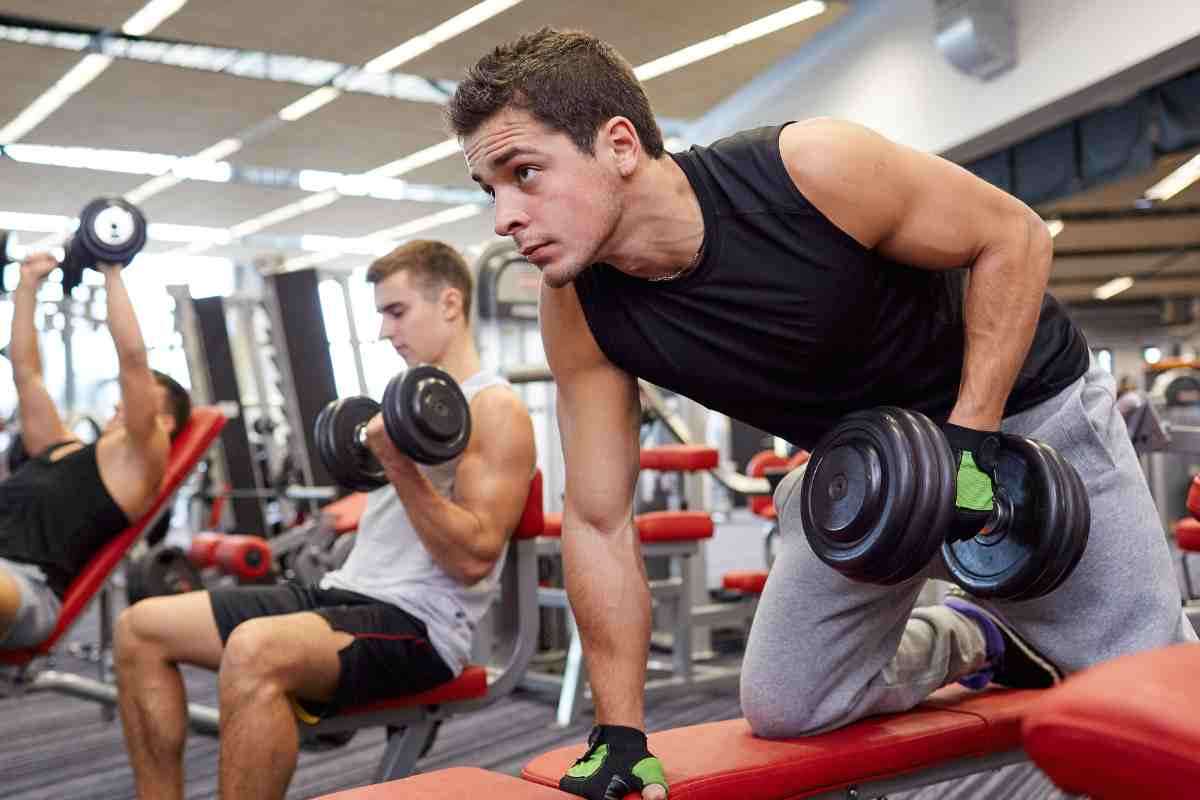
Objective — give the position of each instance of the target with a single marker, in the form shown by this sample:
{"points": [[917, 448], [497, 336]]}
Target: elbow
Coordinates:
{"points": [[473, 570]]}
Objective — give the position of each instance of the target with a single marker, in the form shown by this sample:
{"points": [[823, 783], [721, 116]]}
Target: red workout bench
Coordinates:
{"points": [[1127, 729], [187, 450], [953, 733]]}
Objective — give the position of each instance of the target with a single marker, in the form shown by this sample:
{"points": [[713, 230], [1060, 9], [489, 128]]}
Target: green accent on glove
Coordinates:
{"points": [[974, 486], [650, 770], [586, 768]]}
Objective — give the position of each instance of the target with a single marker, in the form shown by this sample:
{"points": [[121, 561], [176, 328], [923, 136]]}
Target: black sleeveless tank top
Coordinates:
{"points": [[788, 323], [57, 514]]}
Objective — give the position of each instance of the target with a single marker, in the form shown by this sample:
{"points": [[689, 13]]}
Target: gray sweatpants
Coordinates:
{"points": [[825, 651]]}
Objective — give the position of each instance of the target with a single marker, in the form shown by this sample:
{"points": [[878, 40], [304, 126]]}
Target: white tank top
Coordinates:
{"points": [[390, 563]]}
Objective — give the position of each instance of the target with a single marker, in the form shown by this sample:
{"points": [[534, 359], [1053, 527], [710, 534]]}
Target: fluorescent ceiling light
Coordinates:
{"points": [[139, 194], [1173, 184], [76, 78], [452, 27], [167, 232], [83, 73], [1055, 227], [1112, 288], [431, 221], [309, 103], [748, 32], [283, 213], [418, 159], [220, 150], [41, 223], [151, 16]]}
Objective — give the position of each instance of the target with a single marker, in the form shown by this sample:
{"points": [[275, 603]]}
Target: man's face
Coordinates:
{"points": [[559, 205], [418, 327]]}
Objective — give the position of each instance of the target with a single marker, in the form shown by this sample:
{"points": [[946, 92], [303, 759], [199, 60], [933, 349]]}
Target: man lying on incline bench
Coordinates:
{"points": [[68, 499], [398, 618]]}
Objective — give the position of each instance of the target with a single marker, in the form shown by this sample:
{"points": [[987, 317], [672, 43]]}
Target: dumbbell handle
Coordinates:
{"points": [[360, 438]]}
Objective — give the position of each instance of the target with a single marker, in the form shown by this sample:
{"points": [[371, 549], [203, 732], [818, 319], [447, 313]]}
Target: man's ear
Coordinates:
{"points": [[451, 303], [621, 140]]}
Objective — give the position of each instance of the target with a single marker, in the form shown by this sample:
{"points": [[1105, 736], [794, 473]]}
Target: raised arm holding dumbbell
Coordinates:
{"points": [[44, 541]]}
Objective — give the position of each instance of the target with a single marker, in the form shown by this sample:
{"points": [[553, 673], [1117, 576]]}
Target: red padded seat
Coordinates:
{"points": [[721, 760], [653, 526], [1128, 728], [673, 526], [454, 783], [679, 458], [1187, 534], [747, 581], [186, 451]]}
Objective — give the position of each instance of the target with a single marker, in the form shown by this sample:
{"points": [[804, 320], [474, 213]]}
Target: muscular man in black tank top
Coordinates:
{"points": [[68, 499], [785, 276]]}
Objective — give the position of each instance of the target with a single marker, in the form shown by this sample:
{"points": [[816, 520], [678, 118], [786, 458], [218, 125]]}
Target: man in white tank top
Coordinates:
{"points": [[397, 618]]}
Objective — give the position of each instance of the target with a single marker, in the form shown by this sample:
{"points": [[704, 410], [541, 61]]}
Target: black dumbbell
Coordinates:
{"points": [[111, 231], [424, 412], [877, 504]]}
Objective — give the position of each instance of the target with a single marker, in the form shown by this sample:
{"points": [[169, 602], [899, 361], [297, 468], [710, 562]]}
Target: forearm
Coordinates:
{"points": [[452, 534], [23, 346], [610, 598], [123, 324], [1003, 303]]}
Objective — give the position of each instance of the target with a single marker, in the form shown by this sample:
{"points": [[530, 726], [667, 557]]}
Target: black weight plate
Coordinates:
{"points": [[161, 570], [858, 495], [1001, 564], [933, 510], [1077, 528], [427, 415], [336, 435], [1054, 540], [111, 230]]}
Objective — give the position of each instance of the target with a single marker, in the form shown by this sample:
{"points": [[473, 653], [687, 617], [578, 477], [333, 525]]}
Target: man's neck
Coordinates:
{"points": [[461, 358], [662, 226]]}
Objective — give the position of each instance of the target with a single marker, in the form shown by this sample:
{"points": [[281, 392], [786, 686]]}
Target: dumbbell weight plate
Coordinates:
{"points": [[1003, 564], [161, 570], [336, 434], [1071, 539], [111, 230], [427, 415], [876, 495]]}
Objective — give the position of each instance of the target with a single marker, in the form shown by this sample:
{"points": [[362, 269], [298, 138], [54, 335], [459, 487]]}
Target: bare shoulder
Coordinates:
{"points": [[500, 420], [817, 149]]}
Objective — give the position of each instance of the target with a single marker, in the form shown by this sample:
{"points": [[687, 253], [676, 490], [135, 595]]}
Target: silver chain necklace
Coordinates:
{"points": [[685, 269]]}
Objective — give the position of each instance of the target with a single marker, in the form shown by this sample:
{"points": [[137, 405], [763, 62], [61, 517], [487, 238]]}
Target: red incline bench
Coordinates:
{"points": [[1128, 729], [953, 733], [186, 452]]}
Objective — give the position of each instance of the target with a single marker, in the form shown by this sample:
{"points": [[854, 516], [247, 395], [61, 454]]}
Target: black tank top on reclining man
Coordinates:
{"points": [[57, 514], [787, 323]]}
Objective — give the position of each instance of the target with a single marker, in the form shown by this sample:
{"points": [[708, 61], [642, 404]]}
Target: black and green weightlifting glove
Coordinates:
{"points": [[616, 763], [974, 452]]}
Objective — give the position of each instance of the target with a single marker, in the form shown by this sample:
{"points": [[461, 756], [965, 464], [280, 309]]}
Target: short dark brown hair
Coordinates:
{"points": [[179, 402], [433, 267], [570, 81]]}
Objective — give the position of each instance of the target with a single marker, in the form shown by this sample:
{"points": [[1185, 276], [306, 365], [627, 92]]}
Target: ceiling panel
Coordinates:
{"points": [[450, 171], [352, 33], [134, 106], [354, 216], [218, 205], [354, 133], [94, 13], [639, 30], [1162, 231], [36, 189], [28, 72]]}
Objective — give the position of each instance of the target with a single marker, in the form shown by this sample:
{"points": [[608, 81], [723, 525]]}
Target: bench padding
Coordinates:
{"points": [[1127, 728]]}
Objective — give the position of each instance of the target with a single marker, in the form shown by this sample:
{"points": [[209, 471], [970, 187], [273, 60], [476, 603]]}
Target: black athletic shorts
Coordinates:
{"points": [[391, 654]]}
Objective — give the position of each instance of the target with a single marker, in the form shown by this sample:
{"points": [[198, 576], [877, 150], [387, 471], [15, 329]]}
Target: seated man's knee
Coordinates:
{"points": [[131, 634], [252, 653]]}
